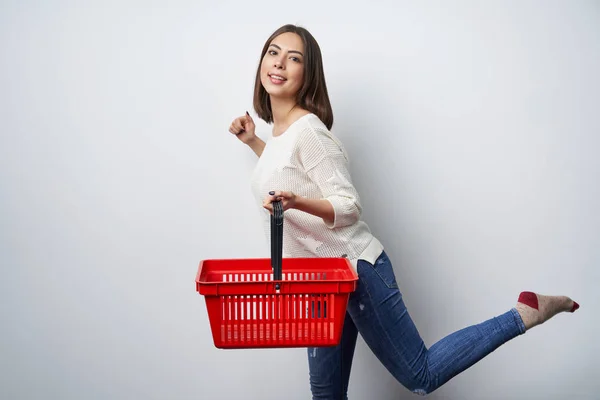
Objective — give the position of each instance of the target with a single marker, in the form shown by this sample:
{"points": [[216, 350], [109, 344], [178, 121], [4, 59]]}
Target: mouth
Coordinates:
{"points": [[277, 79]]}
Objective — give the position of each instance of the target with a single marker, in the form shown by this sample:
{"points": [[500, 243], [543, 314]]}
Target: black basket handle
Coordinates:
{"points": [[277, 240]]}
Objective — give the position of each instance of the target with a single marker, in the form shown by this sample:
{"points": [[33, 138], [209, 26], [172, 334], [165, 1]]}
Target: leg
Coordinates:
{"points": [[381, 317], [329, 367]]}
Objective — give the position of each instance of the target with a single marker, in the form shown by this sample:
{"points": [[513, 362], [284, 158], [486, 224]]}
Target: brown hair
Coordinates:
{"points": [[313, 95]]}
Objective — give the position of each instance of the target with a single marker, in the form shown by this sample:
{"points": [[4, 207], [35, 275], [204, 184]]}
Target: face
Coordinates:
{"points": [[282, 67]]}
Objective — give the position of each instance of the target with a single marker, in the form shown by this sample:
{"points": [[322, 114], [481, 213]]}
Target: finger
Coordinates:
{"points": [[237, 125], [272, 197], [248, 125], [285, 195], [249, 118]]}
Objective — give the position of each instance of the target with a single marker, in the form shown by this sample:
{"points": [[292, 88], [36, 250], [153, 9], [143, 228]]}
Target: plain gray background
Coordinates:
{"points": [[473, 131]]}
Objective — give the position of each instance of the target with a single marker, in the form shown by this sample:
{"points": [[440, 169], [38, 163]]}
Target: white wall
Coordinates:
{"points": [[473, 130]]}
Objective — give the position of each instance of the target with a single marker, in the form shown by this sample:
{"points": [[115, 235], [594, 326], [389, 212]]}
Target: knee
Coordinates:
{"points": [[421, 385], [421, 390]]}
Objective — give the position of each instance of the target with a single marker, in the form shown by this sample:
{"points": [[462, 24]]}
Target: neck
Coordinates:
{"points": [[285, 112], [281, 108]]}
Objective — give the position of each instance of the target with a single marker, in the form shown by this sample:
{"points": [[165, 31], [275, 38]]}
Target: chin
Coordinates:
{"points": [[274, 91]]}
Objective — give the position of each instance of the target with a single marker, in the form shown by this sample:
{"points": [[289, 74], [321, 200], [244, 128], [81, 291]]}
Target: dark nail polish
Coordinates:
{"points": [[272, 193]]}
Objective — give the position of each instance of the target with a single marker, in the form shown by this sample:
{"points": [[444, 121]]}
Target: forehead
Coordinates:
{"points": [[289, 41]]}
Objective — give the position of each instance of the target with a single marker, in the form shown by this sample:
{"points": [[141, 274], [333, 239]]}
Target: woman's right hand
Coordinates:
{"points": [[243, 127]]}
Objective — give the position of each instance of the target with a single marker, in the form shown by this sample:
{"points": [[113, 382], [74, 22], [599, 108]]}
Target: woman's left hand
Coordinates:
{"points": [[288, 200]]}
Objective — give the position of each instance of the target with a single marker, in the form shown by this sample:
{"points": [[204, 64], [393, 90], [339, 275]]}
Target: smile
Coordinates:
{"points": [[277, 78]]}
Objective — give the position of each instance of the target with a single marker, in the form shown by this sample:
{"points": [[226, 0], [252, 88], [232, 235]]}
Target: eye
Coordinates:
{"points": [[272, 52], [295, 59]]}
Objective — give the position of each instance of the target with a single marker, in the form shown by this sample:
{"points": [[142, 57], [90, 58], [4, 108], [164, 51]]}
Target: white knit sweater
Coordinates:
{"points": [[309, 161]]}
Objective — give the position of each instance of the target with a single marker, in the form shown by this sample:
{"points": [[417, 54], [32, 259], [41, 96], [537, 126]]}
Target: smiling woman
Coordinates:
{"points": [[305, 166]]}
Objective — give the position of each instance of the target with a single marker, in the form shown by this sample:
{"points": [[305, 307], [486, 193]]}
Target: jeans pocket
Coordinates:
{"points": [[383, 268]]}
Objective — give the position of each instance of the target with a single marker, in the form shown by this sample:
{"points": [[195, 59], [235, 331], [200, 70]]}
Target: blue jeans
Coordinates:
{"points": [[377, 311]]}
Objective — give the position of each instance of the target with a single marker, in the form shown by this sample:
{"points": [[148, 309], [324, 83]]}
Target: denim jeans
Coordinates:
{"points": [[377, 311]]}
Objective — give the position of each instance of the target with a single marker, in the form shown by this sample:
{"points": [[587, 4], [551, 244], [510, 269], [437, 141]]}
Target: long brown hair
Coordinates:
{"points": [[313, 95]]}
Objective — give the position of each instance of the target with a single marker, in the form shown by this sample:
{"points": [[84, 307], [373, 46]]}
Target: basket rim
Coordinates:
{"points": [[348, 270]]}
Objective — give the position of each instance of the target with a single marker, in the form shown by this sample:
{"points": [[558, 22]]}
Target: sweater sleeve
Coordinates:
{"points": [[325, 163]]}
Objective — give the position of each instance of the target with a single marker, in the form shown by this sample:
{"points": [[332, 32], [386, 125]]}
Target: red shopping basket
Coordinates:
{"points": [[251, 303]]}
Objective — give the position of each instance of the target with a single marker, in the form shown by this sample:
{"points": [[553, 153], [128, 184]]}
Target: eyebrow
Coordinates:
{"points": [[289, 51]]}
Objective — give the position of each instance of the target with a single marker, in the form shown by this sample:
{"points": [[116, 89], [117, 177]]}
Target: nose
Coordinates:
{"points": [[278, 63]]}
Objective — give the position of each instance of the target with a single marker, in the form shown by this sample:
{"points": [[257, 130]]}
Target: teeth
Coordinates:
{"points": [[277, 77]]}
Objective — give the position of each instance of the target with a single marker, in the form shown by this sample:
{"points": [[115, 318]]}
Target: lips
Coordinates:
{"points": [[277, 79]]}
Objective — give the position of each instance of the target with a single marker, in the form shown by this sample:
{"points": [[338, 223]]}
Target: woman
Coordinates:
{"points": [[305, 167]]}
